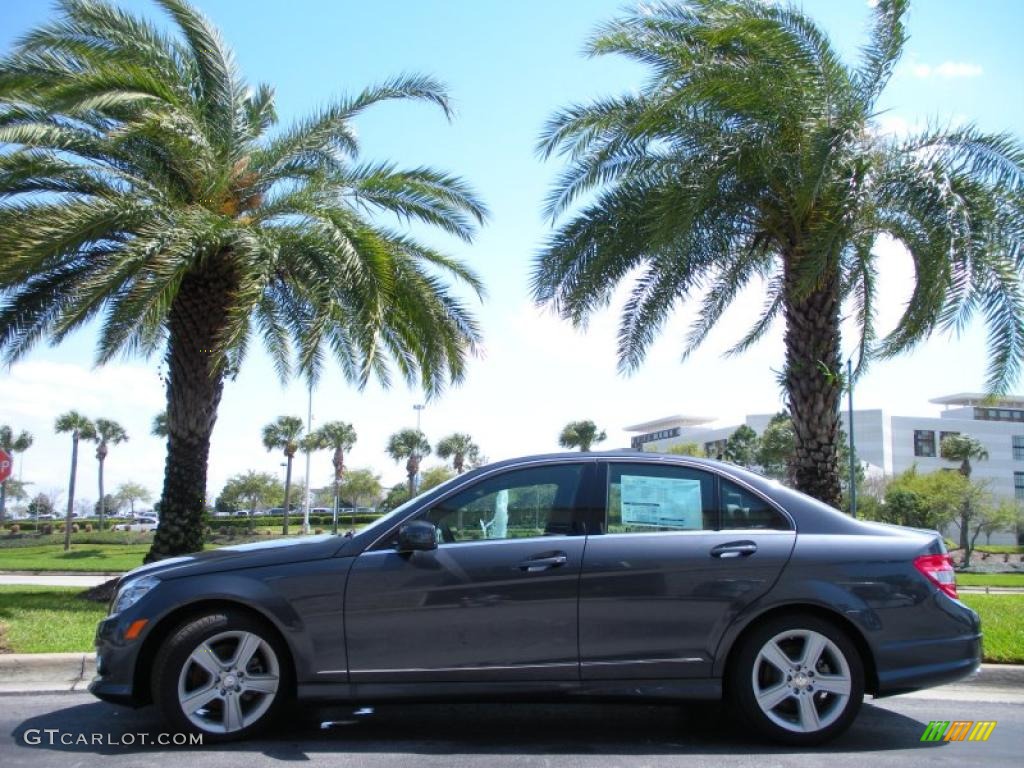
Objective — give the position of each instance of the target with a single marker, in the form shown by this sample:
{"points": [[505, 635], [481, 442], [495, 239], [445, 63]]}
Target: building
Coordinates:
{"points": [[889, 444]]}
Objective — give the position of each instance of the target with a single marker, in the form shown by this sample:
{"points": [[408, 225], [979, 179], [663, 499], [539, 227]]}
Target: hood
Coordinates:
{"points": [[239, 556]]}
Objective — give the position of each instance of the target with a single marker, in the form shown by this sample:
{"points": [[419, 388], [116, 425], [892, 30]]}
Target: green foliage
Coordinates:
{"points": [[434, 476], [40, 505], [129, 493], [111, 505], [778, 441], [742, 446], [686, 449], [929, 500], [395, 497], [283, 434], [14, 443], [251, 490], [581, 434], [361, 487]]}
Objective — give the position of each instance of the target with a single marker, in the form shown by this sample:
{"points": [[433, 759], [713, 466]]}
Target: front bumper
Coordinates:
{"points": [[116, 660]]}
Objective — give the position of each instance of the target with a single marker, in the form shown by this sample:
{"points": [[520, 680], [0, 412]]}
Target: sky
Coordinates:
{"points": [[509, 66]]}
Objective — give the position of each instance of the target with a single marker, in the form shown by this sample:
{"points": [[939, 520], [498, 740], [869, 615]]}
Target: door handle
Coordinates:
{"points": [[544, 562], [734, 549]]}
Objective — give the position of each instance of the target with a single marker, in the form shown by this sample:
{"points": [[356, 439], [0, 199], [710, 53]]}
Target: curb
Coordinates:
{"points": [[61, 672], [46, 672], [109, 574]]}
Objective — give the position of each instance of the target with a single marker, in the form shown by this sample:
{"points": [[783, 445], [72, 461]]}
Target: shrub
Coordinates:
{"points": [[318, 531], [47, 529], [15, 529]]}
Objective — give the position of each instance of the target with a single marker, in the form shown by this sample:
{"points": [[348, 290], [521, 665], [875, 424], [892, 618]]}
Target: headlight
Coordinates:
{"points": [[132, 592]]}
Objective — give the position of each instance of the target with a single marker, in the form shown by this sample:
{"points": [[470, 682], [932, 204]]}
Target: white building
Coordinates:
{"points": [[889, 444]]}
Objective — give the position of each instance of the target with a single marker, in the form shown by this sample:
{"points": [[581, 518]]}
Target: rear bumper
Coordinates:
{"points": [[930, 661]]}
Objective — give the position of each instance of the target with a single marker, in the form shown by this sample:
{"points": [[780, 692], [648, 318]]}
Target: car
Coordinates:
{"points": [[612, 575], [138, 523]]}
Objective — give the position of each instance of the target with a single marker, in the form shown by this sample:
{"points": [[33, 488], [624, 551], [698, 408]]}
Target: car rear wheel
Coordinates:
{"points": [[798, 680], [224, 675]]}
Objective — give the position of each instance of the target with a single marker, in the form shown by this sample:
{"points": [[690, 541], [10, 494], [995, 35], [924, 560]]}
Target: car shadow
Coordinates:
{"points": [[703, 728]]}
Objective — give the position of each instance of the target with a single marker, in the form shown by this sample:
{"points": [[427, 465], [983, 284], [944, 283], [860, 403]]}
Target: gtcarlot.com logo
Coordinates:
{"points": [[55, 736], [958, 730]]}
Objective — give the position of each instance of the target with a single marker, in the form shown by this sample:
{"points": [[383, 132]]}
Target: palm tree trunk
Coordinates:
{"points": [[411, 468], [813, 382], [103, 507], [71, 491], [194, 386], [3, 501], [287, 493]]}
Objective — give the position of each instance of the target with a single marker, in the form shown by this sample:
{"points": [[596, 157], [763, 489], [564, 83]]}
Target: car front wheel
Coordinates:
{"points": [[224, 675], [798, 680]]}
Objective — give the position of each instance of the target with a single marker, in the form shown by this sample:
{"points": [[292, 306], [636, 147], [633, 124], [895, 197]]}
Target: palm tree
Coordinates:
{"points": [[106, 433], [581, 434], [338, 436], [159, 426], [752, 154], [12, 444], [140, 187], [458, 447], [284, 434], [963, 448], [80, 428], [411, 445]]}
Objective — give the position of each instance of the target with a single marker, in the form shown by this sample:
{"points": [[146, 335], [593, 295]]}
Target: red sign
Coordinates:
{"points": [[6, 465]]}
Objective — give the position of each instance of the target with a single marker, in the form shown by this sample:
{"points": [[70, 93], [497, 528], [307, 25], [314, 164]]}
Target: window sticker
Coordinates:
{"points": [[665, 502]]}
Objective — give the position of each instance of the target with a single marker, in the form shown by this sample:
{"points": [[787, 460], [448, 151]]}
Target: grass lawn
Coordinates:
{"points": [[1002, 621], [81, 557], [990, 579], [46, 619]]}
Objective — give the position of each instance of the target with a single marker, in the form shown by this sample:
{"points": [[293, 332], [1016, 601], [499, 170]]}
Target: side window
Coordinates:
{"points": [[645, 498], [743, 509], [513, 505]]}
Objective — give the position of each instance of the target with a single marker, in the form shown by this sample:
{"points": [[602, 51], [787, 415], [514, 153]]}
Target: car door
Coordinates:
{"points": [[495, 601], [678, 553]]}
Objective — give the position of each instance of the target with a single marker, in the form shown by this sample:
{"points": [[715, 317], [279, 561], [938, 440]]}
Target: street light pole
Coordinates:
{"points": [[309, 428], [853, 457]]}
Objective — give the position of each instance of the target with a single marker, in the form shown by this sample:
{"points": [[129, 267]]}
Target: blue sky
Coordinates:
{"points": [[509, 66]]}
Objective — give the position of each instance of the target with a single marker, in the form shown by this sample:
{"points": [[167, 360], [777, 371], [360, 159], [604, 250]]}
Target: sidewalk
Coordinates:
{"points": [[52, 579]]}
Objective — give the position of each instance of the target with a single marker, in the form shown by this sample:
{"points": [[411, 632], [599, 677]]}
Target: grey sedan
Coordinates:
{"points": [[612, 576]]}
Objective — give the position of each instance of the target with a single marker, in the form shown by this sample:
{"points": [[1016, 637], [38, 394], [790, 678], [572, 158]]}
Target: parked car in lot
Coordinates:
{"points": [[138, 523], [606, 575]]}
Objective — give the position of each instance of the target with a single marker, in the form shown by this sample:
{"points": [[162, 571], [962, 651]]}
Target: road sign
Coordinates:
{"points": [[6, 465]]}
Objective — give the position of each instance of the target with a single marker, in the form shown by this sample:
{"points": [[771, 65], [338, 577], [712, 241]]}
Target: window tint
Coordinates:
{"points": [[643, 498], [742, 509], [512, 505]]}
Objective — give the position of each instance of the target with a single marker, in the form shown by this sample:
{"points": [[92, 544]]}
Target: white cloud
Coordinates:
{"points": [[947, 70]]}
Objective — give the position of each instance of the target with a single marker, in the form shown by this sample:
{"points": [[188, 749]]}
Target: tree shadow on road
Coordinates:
{"points": [[702, 728]]}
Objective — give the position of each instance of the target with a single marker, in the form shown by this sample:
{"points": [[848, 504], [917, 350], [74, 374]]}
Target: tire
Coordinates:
{"points": [[200, 685], [788, 698]]}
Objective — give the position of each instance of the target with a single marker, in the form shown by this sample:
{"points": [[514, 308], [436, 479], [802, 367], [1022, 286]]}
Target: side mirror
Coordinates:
{"points": [[417, 536]]}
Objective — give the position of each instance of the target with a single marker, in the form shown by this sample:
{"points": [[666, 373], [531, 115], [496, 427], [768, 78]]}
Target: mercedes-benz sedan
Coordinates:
{"points": [[605, 575]]}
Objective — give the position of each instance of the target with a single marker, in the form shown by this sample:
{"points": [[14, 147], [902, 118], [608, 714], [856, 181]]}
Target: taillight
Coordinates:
{"points": [[938, 569]]}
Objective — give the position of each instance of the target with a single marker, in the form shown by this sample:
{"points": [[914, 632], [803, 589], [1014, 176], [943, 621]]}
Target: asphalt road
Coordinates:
{"points": [[887, 733]]}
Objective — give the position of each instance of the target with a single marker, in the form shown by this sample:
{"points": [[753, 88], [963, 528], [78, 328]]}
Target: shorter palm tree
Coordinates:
{"points": [[284, 434], [12, 444], [338, 436], [581, 434], [80, 428], [459, 447], [963, 448], [106, 433], [411, 445]]}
